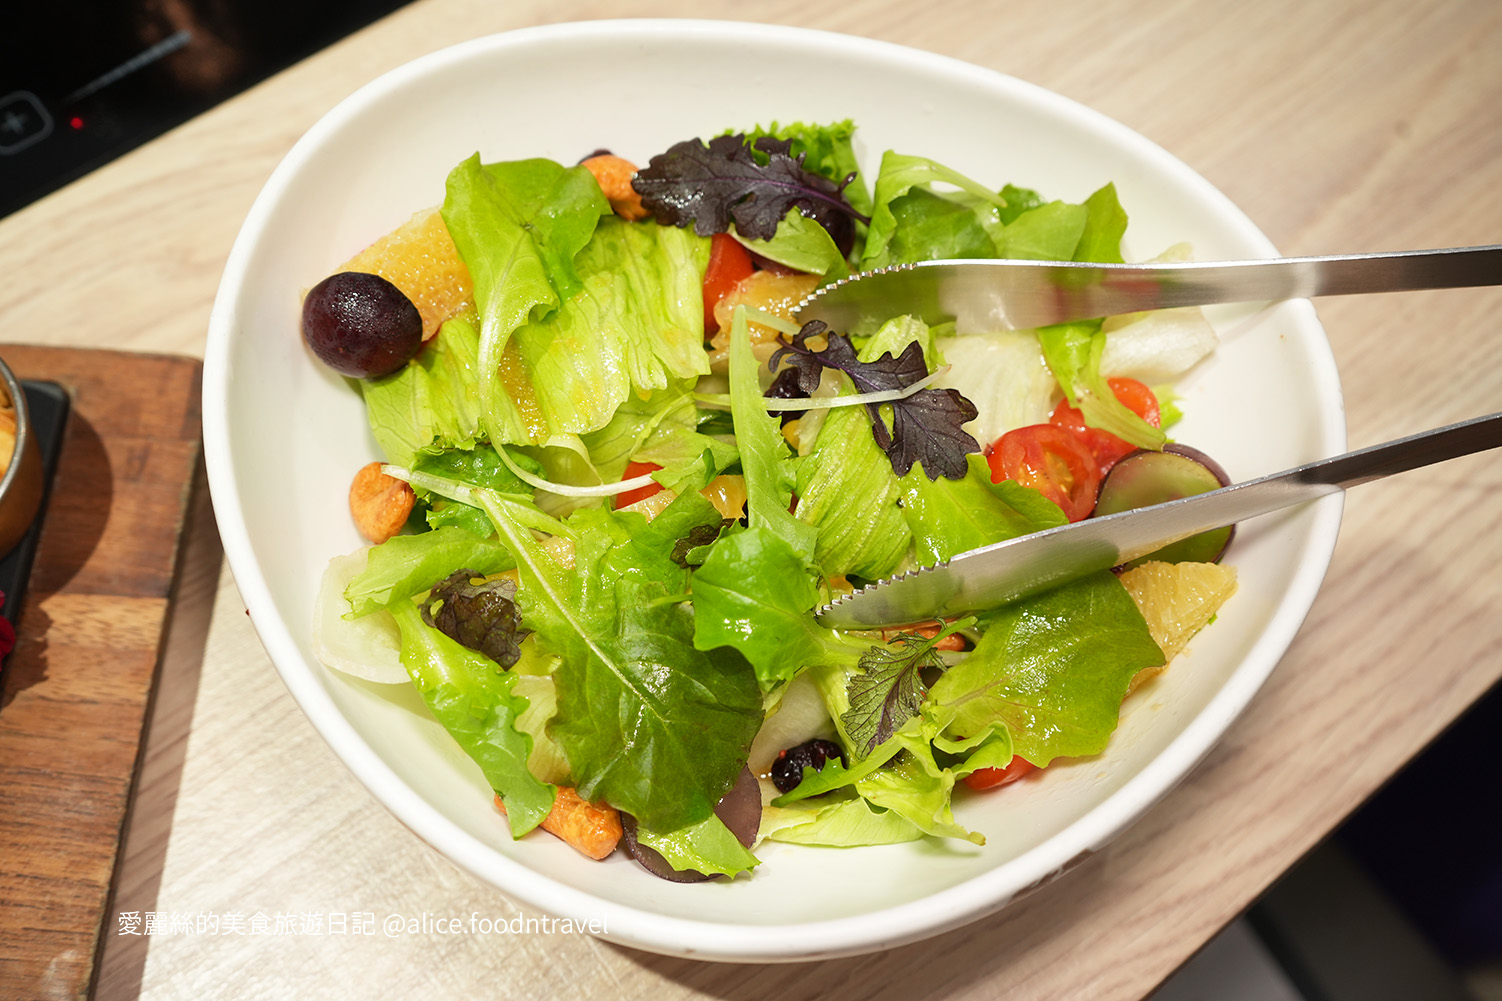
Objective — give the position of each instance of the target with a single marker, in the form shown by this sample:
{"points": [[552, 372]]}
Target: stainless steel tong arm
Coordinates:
{"points": [[984, 295]]}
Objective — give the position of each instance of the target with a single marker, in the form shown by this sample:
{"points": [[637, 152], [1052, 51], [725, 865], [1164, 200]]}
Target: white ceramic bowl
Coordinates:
{"points": [[279, 427]]}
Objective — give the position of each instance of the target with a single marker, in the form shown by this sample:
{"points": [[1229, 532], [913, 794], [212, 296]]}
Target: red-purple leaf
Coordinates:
{"points": [[926, 427], [716, 184]]}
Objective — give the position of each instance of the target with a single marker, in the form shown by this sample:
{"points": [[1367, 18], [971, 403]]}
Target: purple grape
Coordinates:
{"points": [[361, 325]]}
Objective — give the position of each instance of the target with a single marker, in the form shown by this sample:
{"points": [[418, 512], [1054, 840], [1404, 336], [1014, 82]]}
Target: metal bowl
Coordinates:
{"points": [[21, 486]]}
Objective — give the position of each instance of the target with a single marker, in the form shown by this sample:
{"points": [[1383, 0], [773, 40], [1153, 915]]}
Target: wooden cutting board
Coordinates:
{"points": [[77, 690]]}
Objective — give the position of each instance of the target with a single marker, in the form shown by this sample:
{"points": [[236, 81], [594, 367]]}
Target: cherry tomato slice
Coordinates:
{"points": [[729, 262], [633, 470], [1052, 460], [1106, 447], [990, 778]]}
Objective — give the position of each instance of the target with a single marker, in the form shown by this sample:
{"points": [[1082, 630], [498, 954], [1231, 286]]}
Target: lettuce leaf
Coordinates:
{"points": [[636, 325], [476, 703], [405, 565], [1105, 224], [948, 517], [1018, 200], [917, 788], [518, 226], [708, 847], [1049, 232], [899, 176], [801, 244], [1062, 231], [647, 722], [754, 593], [765, 459], [849, 494], [1052, 668], [846, 486], [1073, 352], [841, 823], [433, 403], [661, 428], [933, 227], [479, 466]]}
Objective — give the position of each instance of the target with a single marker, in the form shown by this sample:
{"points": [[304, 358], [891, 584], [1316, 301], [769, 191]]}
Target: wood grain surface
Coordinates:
{"points": [[1337, 125], [76, 690]]}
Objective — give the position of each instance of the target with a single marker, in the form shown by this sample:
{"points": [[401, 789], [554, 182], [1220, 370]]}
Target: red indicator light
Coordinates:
{"points": [[75, 122]]}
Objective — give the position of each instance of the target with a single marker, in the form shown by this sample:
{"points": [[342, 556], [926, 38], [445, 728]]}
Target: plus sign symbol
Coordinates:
{"points": [[23, 122]]}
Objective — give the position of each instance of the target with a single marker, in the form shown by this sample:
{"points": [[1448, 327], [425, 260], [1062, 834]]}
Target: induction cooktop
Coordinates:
{"points": [[83, 81]]}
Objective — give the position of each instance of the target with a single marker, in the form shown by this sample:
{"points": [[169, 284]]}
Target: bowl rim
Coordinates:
{"points": [[929, 915]]}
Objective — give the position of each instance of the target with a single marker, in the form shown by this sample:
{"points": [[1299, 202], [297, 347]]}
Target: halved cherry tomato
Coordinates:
{"points": [[729, 262], [990, 778], [1052, 460], [633, 470], [1105, 446]]}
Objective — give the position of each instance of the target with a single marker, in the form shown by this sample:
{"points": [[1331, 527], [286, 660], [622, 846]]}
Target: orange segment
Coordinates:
{"points": [[419, 257], [1178, 599], [767, 291]]}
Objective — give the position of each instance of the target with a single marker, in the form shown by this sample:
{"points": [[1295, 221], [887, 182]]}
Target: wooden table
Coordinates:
{"points": [[1338, 125]]}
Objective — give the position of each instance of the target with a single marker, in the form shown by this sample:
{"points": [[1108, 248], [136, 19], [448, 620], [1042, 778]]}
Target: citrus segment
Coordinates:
{"points": [[767, 291], [419, 257], [1178, 599]]}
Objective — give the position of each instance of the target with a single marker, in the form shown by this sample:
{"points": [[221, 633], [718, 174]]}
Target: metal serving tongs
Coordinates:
{"points": [[1006, 571], [982, 295]]}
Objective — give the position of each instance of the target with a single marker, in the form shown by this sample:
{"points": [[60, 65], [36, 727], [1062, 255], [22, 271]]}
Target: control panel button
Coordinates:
{"points": [[23, 121]]}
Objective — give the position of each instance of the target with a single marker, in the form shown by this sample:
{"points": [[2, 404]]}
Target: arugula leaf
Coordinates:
{"points": [[887, 688], [712, 185], [926, 427], [477, 704], [481, 616], [648, 723]]}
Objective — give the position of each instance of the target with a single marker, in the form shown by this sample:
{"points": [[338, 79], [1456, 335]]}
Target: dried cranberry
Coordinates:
{"points": [[787, 770]]}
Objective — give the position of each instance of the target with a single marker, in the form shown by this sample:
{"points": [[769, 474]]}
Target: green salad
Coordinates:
{"points": [[618, 479]]}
